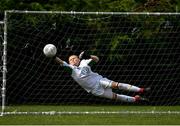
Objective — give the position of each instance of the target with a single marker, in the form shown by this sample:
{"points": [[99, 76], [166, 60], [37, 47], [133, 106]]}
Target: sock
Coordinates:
{"points": [[125, 98], [141, 90], [137, 98], [129, 87]]}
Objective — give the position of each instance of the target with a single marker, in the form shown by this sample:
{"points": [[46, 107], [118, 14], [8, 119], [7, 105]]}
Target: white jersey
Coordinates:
{"points": [[84, 76]]}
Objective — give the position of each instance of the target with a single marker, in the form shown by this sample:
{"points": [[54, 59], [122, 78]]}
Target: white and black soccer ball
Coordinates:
{"points": [[50, 50]]}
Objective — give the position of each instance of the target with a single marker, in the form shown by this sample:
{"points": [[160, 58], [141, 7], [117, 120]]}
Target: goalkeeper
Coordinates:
{"points": [[80, 70]]}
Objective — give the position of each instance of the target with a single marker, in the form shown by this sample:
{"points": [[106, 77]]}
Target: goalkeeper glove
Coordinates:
{"points": [[84, 55]]}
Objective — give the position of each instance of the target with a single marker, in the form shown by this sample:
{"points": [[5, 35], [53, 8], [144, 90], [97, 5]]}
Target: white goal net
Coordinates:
{"points": [[141, 49]]}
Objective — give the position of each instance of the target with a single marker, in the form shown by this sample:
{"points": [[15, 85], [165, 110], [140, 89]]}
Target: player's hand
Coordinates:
{"points": [[84, 55]]}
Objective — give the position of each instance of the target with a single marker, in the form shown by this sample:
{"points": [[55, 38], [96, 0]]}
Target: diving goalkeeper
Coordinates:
{"points": [[80, 70]]}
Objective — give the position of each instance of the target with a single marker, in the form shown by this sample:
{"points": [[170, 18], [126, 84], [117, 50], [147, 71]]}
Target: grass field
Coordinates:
{"points": [[93, 119]]}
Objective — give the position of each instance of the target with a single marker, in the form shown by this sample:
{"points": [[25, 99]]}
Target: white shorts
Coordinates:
{"points": [[103, 89]]}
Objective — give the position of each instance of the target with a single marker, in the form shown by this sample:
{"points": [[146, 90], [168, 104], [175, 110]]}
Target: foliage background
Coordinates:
{"points": [[92, 5]]}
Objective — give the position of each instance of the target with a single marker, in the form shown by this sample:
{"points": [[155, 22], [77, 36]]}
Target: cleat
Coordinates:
{"points": [[141, 99]]}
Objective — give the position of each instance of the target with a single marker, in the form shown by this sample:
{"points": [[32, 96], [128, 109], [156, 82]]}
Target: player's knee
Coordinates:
{"points": [[114, 96], [114, 85]]}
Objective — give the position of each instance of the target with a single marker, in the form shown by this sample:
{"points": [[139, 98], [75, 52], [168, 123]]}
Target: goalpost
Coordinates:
{"points": [[139, 48], [3, 52]]}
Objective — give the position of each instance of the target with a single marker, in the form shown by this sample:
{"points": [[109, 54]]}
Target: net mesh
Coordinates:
{"points": [[140, 50]]}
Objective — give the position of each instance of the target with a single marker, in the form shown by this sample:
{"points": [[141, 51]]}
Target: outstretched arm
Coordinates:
{"points": [[66, 66], [94, 58], [85, 55], [58, 60]]}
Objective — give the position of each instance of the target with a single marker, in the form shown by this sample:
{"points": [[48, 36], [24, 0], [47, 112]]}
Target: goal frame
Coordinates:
{"points": [[4, 61]]}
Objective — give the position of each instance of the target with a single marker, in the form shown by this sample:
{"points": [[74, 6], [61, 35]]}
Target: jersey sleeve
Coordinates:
{"points": [[68, 68]]}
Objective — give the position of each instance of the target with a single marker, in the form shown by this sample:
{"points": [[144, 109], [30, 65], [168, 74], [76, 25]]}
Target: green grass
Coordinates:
{"points": [[96, 119]]}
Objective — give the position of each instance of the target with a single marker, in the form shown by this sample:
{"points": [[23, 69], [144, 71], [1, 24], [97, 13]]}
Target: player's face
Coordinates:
{"points": [[74, 60]]}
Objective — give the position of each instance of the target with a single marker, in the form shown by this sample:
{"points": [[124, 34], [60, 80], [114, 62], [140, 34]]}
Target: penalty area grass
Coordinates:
{"points": [[122, 118]]}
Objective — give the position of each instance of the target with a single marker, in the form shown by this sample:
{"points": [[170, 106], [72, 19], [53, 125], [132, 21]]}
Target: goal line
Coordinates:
{"points": [[90, 113]]}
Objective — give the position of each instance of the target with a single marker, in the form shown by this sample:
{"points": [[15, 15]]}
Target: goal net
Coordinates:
{"points": [[141, 49]]}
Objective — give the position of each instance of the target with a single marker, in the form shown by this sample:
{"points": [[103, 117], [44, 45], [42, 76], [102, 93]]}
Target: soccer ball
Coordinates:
{"points": [[50, 50]]}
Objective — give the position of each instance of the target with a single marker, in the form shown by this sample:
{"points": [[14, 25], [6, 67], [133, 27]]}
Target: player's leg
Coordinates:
{"points": [[106, 83], [127, 87], [106, 88], [118, 97]]}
